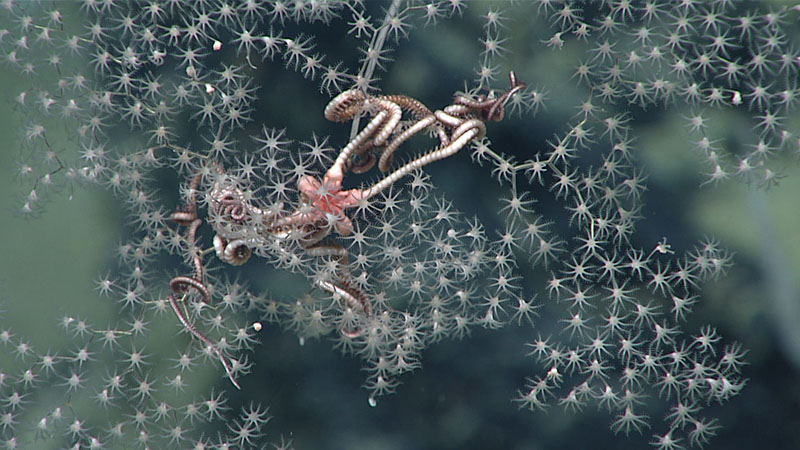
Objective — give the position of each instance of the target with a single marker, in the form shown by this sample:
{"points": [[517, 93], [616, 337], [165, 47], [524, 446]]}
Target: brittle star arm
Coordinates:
{"points": [[458, 116], [343, 287], [463, 135], [347, 105], [181, 285], [173, 301]]}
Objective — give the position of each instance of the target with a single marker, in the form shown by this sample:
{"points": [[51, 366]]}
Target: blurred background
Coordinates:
{"points": [[461, 397]]}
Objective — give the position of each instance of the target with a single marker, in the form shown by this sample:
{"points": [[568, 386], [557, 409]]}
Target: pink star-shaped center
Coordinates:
{"points": [[328, 199]]}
